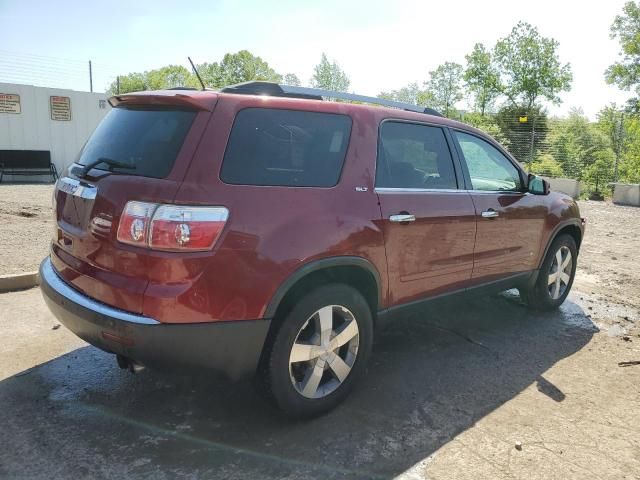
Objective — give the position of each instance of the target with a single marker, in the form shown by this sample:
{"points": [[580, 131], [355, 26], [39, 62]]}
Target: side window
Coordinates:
{"points": [[290, 148], [488, 168], [414, 156]]}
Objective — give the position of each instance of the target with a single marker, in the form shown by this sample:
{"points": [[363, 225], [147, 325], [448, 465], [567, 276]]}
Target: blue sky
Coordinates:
{"points": [[382, 45]]}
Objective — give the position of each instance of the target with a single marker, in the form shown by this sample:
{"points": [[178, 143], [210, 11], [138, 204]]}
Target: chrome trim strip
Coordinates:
{"points": [[444, 190], [417, 190], [51, 277], [74, 187]]}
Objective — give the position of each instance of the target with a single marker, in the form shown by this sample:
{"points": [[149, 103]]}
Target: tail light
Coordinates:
{"points": [[174, 227], [134, 223], [171, 227]]}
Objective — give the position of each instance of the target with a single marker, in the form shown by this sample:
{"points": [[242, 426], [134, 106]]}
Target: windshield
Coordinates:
{"points": [[147, 139]]}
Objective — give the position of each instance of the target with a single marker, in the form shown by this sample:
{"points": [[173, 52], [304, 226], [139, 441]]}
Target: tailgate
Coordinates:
{"points": [[150, 148]]}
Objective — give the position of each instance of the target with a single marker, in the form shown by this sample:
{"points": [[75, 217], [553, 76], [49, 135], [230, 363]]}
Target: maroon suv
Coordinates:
{"points": [[262, 231]]}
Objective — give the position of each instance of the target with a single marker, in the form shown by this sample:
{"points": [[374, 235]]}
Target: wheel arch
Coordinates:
{"points": [[358, 272], [569, 228]]}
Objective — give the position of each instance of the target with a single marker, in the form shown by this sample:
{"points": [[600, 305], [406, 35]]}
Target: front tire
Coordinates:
{"points": [[319, 351], [555, 277]]}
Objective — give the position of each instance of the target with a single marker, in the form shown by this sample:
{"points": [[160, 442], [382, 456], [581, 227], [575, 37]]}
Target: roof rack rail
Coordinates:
{"points": [[277, 90]]}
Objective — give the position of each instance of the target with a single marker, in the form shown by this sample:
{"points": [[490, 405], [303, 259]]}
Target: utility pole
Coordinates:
{"points": [[533, 137], [90, 77]]}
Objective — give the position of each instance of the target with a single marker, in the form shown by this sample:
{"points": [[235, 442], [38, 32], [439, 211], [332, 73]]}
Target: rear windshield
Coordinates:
{"points": [[286, 148], [148, 139]]}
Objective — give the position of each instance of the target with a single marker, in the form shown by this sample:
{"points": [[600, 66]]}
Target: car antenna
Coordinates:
{"points": [[195, 70]]}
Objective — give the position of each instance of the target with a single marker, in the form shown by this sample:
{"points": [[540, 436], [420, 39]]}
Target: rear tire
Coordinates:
{"points": [[555, 277], [319, 350]]}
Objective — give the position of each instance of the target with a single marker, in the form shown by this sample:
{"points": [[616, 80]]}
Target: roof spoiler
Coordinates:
{"points": [[278, 90], [171, 98]]}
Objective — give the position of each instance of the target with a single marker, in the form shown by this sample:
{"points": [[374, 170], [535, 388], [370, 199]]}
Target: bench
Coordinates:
{"points": [[27, 162]]}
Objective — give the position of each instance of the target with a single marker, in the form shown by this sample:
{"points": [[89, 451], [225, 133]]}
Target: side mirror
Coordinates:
{"points": [[538, 185]]}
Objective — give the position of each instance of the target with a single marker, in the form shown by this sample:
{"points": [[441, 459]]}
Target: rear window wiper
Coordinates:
{"points": [[109, 161]]}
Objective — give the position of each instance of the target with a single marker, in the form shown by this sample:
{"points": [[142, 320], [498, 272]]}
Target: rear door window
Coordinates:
{"points": [[286, 148], [414, 156], [147, 139]]}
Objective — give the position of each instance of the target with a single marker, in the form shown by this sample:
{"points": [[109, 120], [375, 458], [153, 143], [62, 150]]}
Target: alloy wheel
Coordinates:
{"points": [[560, 273], [324, 351]]}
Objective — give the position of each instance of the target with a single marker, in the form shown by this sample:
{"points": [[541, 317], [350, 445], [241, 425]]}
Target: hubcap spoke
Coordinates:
{"points": [[339, 367], [567, 261], [556, 288], [312, 379], [325, 315], [302, 352], [552, 278], [349, 331], [564, 278], [559, 258]]}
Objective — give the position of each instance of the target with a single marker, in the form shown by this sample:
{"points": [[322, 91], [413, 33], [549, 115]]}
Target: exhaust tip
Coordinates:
{"points": [[128, 364]]}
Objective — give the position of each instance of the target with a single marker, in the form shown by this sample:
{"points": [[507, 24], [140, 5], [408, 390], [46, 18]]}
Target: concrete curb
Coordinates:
{"points": [[20, 281]]}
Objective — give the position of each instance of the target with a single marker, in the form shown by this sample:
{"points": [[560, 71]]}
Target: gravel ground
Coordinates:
{"points": [[25, 226], [609, 262]]}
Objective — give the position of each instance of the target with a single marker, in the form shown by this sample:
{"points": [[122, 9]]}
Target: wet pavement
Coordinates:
{"points": [[432, 377]]}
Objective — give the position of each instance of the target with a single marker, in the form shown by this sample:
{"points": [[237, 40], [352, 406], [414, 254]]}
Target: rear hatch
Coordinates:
{"points": [[141, 151]]}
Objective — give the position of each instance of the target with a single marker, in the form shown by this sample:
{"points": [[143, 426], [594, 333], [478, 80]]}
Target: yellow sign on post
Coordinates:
{"points": [[524, 119]]}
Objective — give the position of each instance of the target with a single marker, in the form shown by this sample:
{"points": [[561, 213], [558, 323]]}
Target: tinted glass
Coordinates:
{"points": [[414, 156], [149, 140], [286, 148], [488, 168]]}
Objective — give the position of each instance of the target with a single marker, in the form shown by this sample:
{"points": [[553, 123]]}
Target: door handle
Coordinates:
{"points": [[491, 213], [402, 218]]}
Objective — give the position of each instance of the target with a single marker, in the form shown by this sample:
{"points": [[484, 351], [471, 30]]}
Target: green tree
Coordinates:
{"points": [[171, 76], [577, 143], [445, 86], [488, 124], [515, 124], [625, 73], [291, 79], [629, 168], [530, 71], [611, 122], [599, 173], [529, 67], [132, 82], [482, 78], [238, 67], [410, 94], [329, 76], [546, 165]]}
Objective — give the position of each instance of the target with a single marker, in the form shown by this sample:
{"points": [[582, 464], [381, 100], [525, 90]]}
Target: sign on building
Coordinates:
{"points": [[10, 103], [60, 108]]}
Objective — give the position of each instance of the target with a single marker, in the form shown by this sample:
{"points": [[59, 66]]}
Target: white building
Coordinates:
{"points": [[48, 119]]}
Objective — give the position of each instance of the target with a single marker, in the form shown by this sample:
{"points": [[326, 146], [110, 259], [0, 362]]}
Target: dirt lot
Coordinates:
{"points": [[484, 389], [25, 226]]}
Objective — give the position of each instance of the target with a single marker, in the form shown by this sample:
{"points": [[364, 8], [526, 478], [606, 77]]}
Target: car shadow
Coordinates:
{"points": [[432, 375]]}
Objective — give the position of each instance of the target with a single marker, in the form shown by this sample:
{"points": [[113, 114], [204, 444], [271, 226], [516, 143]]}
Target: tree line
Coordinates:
{"points": [[507, 87], [234, 68]]}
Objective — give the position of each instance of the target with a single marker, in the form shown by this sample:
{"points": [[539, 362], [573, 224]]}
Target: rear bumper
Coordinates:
{"points": [[231, 348]]}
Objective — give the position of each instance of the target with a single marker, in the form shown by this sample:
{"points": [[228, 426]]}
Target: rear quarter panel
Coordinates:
{"points": [[271, 231]]}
